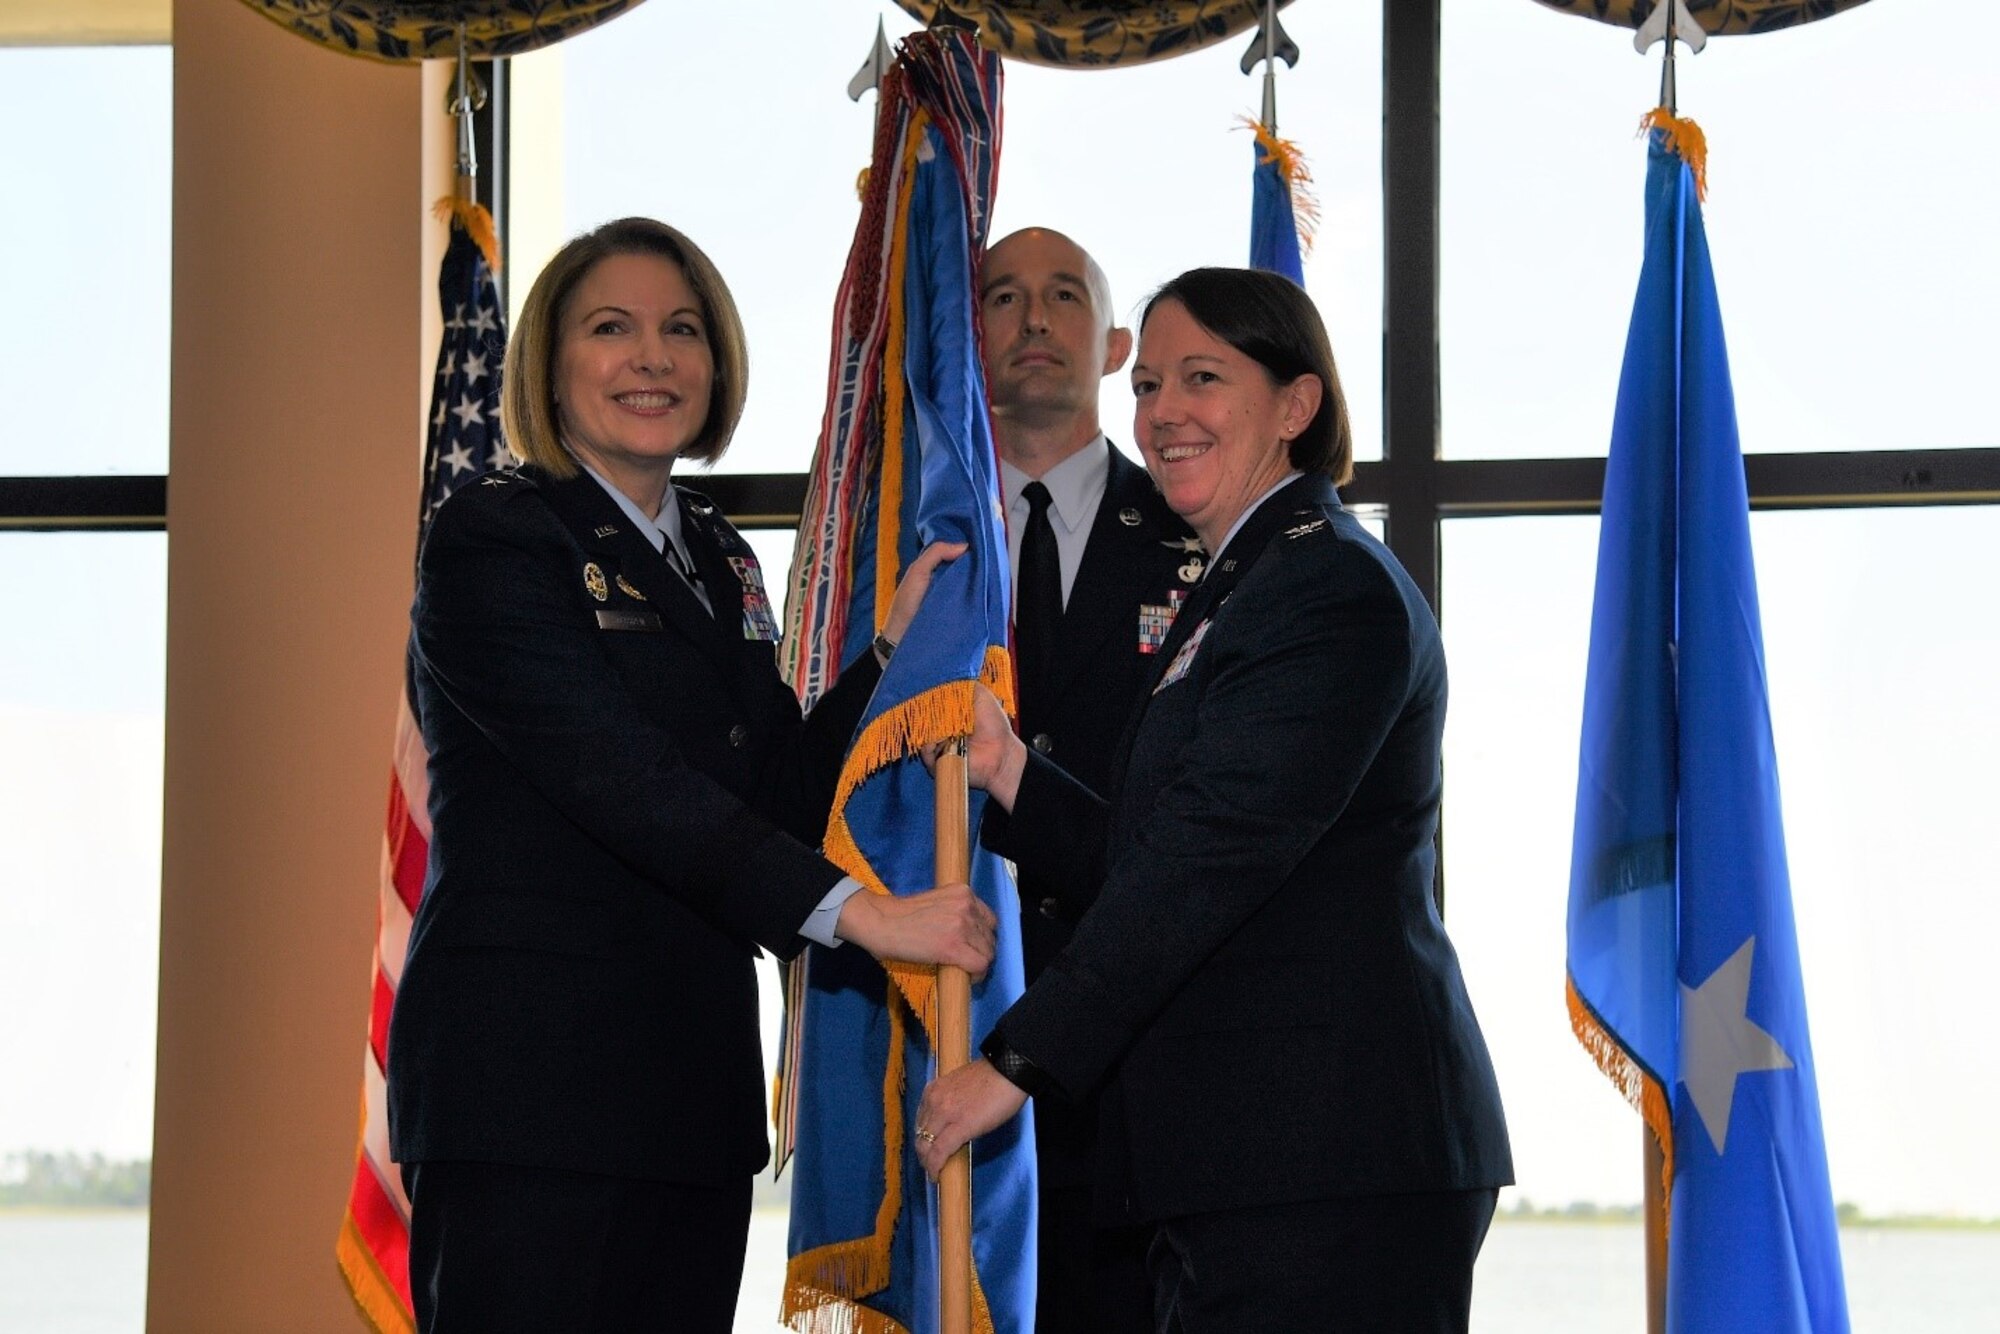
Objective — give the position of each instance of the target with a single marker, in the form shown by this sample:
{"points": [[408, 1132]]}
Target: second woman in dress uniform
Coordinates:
{"points": [[1296, 1096]]}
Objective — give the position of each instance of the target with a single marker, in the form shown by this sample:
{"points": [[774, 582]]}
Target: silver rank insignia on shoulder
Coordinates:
{"points": [[604, 530], [496, 479], [701, 507], [1129, 517], [626, 588], [1304, 528], [593, 582]]}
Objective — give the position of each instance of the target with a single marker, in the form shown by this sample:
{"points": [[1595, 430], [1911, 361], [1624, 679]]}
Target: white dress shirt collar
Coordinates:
{"points": [[1076, 488]]}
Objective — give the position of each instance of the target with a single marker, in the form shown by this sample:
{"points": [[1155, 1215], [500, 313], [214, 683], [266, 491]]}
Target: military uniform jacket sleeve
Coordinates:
{"points": [[1262, 725], [688, 764]]}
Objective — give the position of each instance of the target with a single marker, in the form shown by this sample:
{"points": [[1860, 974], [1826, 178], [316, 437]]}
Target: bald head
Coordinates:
{"points": [[1049, 339], [1029, 243]]}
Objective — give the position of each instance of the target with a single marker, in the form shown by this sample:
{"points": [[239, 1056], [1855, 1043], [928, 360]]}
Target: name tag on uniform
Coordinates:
{"points": [[627, 618], [1156, 620], [758, 622], [1184, 659]]}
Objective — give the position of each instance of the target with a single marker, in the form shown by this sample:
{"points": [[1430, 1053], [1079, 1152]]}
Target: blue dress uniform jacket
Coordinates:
{"points": [[623, 800], [1262, 984]]}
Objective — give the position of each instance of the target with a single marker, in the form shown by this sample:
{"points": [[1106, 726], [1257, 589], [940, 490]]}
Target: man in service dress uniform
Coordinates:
{"points": [[1101, 566]]}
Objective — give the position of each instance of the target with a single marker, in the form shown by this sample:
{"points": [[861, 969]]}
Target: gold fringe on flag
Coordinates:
{"points": [[1640, 1088], [374, 1295], [1685, 140], [1298, 179], [476, 222]]}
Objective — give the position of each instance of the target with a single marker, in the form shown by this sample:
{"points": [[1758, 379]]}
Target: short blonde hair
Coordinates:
{"points": [[527, 386]]}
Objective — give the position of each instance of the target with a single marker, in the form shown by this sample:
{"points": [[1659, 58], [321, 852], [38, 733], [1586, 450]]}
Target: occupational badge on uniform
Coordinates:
{"points": [[1129, 517], [758, 622], [593, 582], [625, 587], [1304, 528], [1156, 619], [1191, 572], [1184, 659]]}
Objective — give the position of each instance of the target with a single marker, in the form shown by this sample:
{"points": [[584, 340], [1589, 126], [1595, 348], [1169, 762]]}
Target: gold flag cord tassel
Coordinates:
{"points": [[1298, 179], [1686, 140], [465, 212]]}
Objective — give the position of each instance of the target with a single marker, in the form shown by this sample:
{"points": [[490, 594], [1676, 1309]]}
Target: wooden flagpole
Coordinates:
{"points": [[954, 993], [1654, 1206]]}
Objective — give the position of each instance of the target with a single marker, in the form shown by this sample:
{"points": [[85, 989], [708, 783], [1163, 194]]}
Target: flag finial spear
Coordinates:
{"points": [[1270, 45], [874, 68], [1670, 20]]}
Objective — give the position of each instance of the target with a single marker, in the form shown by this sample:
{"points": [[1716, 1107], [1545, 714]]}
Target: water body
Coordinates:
{"points": [[85, 1273]]}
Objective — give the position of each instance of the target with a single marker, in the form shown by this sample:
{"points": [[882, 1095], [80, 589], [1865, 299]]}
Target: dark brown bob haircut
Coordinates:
{"points": [[527, 389], [1270, 320]]}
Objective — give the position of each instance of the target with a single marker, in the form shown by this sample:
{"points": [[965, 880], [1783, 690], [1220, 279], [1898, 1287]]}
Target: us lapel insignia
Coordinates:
{"points": [[1184, 659], [758, 622], [1304, 528], [593, 582], [1227, 565], [605, 530], [1129, 517], [1156, 619], [627, 589]]}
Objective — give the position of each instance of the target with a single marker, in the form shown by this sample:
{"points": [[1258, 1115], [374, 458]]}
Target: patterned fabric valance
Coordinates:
{"points": [[410, 30], [1718, 18], [1097, 34]]}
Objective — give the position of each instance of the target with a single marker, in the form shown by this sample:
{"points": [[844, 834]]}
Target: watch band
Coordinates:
{"points": [[1021, 1072]]}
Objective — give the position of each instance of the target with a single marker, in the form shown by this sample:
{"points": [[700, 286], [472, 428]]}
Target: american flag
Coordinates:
{"points": [[463, 443]]}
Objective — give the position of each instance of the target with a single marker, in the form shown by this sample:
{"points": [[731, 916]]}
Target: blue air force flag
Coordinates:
{"points": [[1684, 976]]}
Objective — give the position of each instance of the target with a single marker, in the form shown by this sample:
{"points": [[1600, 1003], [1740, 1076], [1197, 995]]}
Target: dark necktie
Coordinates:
{"points": [[1038, 602], [686, 571]]}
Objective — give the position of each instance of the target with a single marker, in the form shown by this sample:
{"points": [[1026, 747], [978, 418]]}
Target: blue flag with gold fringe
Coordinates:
{"points": [[906, 458], [1282, 208], [1684, 975]]}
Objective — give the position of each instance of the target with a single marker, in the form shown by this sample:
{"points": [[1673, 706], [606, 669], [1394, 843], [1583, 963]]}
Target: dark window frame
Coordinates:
{"points": [[1415, 488]]}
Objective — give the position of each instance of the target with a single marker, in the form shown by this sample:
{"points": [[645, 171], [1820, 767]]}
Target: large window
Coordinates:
{"points": [[742, 135], [84, 254], [1849, 226], [84, 258]]}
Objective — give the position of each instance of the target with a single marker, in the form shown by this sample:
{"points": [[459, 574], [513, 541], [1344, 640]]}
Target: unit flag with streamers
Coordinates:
{"points": [[905, 458]]}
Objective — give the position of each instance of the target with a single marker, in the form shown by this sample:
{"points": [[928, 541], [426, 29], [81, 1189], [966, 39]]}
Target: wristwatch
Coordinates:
{"points": [[1021, 1072], [885, 648]]}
